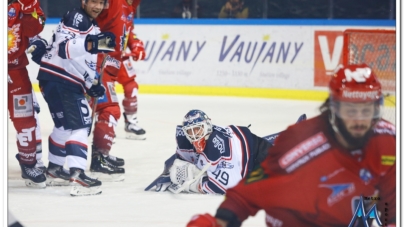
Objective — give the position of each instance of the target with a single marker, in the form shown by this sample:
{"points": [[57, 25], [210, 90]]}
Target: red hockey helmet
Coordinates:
{"points": [[356, 84]]}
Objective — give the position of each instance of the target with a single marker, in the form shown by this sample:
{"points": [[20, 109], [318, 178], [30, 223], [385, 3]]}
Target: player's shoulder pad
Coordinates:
{"points": [[221, 130], [384, 127], [77, 19], [217, 146], [182, 141]]}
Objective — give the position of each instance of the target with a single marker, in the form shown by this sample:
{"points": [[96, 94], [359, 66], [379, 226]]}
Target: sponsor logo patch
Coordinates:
{"points": [[339, 191], [219, 144], [388, 160], [274, 222], [302, 149], [23, 106], [256, 175]]}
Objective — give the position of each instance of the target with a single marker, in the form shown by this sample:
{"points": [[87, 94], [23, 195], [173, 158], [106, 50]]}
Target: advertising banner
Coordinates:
{"points": [[249, 56]]}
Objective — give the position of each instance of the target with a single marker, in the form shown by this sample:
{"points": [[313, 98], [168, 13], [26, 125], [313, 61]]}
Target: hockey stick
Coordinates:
{"points": [[187, 183], [271, 138], [95, 100], [163, 177]]}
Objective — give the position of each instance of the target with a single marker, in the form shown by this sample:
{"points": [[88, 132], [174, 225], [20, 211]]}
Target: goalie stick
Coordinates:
{"points": [[271, 138], [165, 176]]}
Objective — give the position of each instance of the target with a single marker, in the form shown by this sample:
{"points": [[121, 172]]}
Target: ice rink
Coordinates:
{"points": [[126, 203]]}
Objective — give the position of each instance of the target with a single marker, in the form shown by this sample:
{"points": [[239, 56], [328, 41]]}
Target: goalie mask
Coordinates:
{"points": [[356, 102], [197, 128]]}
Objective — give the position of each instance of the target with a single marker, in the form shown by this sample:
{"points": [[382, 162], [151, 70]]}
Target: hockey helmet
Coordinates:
{"points": [[356, 84], [197, 128]]}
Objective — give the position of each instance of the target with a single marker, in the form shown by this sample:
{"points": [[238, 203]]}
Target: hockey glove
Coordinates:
{"points": [[96, 90], [38, 49], [203, 220], [103, 42], [137, 51]]}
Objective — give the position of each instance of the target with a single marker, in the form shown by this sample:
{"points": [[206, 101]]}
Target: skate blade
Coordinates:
{"points": [[133, 136], [84, 191], [103, 177], [32, 184], [50, 181]]}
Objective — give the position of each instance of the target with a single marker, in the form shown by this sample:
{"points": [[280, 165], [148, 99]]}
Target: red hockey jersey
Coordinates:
{"points": [[118, 19], [20, 28], [308, 179]]}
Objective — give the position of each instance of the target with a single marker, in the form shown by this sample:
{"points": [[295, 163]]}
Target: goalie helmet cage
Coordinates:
{"points": [[376, 48]]}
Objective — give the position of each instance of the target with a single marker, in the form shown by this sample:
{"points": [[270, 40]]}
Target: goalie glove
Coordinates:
{"points": [[182, 172]]}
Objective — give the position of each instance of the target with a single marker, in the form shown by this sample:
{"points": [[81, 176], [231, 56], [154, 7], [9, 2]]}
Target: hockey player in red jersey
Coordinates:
{"points": [[25, 20], [327, 171], [118, 18]]}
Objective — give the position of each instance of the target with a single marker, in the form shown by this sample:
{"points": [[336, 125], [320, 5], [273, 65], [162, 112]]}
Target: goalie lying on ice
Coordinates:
{"points": [[210, 159]]}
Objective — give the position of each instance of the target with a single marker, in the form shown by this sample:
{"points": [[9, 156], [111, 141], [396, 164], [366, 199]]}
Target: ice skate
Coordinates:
{"points": [[115, 161], [57, 176], [132, 129], [82, 184], [33, 176], [102, 168], [39, 164]]}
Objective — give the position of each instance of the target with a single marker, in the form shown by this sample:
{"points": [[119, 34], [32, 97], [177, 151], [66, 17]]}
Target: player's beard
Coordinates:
{"points": [[354, 142]]}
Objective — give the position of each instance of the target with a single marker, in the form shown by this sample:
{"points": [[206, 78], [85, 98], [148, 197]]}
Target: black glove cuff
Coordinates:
{"points": [[230, 217]]}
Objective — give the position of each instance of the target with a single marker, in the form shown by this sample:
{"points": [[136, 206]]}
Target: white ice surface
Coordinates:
{"points": [[126, 203]]}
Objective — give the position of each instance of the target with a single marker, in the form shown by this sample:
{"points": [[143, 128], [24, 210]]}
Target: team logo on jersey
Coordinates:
{"points": [[91, 65], [13, 38], [365, 175], [11, 13], [219, 144], [225, 165], [339, 191]]}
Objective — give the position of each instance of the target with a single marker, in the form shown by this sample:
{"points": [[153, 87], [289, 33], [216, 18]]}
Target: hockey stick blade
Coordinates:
{"points": [[187, 183], [271, 138], [162, 178]]}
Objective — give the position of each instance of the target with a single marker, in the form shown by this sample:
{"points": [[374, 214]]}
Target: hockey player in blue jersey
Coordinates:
{"points": [[68, 72], [210, 159]]}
